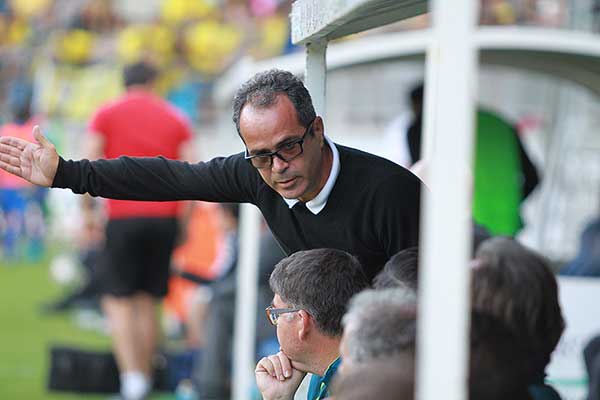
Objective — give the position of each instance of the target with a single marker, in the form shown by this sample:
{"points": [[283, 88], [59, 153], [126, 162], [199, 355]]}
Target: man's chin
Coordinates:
{"points": [[300, 366], [290, 194]]}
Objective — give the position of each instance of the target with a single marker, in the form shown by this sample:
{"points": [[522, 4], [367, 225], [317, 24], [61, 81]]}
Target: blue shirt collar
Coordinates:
{"points": [[319, 385]]}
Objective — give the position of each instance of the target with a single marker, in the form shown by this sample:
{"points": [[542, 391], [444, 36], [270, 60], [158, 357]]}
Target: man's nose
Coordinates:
{"points": [[279, 164]]}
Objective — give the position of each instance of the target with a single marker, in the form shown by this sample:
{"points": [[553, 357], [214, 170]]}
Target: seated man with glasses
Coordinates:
{"points": [[312, 192], [312, 289]]}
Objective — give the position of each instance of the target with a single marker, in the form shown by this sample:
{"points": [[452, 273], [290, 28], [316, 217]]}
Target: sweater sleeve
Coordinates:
{"points": [[223, 179]]}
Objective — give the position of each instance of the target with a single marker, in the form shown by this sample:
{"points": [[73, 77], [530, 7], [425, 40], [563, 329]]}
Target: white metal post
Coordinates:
{"points": [[429, 116], [315, 75], [245, 302], [446, 237]]}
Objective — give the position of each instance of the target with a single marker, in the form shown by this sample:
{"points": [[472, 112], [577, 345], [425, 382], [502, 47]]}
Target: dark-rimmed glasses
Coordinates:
{"points": [[274, 313], [286, 152]]}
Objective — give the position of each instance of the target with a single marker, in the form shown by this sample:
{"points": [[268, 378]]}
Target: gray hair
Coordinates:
{"points": [[320, 281], [262, 89], [380, 323]]}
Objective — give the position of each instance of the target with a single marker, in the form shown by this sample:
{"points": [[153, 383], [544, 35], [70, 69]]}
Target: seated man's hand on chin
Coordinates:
{"points": [[276, 377]]}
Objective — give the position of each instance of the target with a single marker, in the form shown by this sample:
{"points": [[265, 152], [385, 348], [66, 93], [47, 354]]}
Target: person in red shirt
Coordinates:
{"points": [[140, 235]]}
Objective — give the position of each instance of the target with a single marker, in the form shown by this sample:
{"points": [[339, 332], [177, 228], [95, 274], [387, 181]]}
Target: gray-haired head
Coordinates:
{"points": [[516, 285], [320, 281], [391, 378], [379, 324], [401, 270], [262, 90]]}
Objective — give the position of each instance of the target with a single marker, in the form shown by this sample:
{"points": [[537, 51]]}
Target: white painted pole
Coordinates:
{"points": [[315, 75], [429, 116], [245, 303], [446, 236]]}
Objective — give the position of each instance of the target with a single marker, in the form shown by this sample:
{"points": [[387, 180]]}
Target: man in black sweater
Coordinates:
{"points": [[313, 193]]}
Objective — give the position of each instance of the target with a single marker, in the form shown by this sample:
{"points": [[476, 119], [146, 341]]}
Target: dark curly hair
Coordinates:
{"points": [[262, 89]]}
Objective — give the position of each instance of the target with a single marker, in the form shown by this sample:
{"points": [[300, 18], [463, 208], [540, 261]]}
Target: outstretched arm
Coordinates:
{"points": [[35, 162], [223, 179], [228, 179]]}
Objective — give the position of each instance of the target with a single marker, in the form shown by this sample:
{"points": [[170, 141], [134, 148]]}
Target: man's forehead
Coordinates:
{"points": [[263, 132], [279, 113]]}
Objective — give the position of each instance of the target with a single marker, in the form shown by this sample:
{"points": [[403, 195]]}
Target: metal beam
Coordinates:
{"points": [[574, 56], [314, 20]]}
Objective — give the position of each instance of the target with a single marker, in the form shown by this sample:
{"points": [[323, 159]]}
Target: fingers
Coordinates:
{"points": [[272, 366], [12, 143], [9, 151], [10, 168], [286, 364], [264, 365], [10, 159], [41, 139], [276, 365]]}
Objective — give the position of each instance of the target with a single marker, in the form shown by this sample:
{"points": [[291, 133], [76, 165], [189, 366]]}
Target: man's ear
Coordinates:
{"points": [[319, 130], [306, 323]]}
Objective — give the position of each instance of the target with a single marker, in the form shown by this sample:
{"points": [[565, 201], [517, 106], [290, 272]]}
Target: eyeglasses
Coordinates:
{"points": [[286, 152], [274, 313]]}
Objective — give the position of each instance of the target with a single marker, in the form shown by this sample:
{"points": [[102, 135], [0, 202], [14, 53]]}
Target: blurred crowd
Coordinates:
{"points": [[571, 14], [554, 13], [73, 50]]}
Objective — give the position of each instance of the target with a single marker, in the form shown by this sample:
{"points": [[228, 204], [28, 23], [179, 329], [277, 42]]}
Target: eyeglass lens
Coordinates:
{"points": [[286, 153]]}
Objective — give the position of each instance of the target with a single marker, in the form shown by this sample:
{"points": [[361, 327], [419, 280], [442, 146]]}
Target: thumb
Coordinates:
{"points": [[41, 139]]}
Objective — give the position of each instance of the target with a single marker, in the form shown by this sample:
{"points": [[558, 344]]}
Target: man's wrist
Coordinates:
{"points": [[58, 180]]}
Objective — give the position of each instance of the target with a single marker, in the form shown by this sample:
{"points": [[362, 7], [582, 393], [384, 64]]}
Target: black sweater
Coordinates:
{"points": [[372, 211]]}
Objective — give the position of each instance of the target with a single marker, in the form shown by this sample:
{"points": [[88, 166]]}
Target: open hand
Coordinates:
{"points": [[36, 163]]}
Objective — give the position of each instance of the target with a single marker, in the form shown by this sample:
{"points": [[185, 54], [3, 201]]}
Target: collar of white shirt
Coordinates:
{"points": [[318, 203]]}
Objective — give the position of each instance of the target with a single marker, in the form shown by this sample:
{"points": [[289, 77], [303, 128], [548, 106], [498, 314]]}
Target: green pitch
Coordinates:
{"points": [[26, 334]]}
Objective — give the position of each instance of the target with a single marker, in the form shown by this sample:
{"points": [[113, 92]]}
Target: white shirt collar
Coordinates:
{"points": [[318, 203]]}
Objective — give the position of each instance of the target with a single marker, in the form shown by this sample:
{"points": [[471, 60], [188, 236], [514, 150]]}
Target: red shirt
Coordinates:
{"points": [[141, 124]]}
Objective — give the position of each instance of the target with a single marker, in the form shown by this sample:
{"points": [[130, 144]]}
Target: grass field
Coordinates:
{"points": [[26, 334]]}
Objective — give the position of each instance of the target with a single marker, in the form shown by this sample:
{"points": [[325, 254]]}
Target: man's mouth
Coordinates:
{"points": [[286, 182]]}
